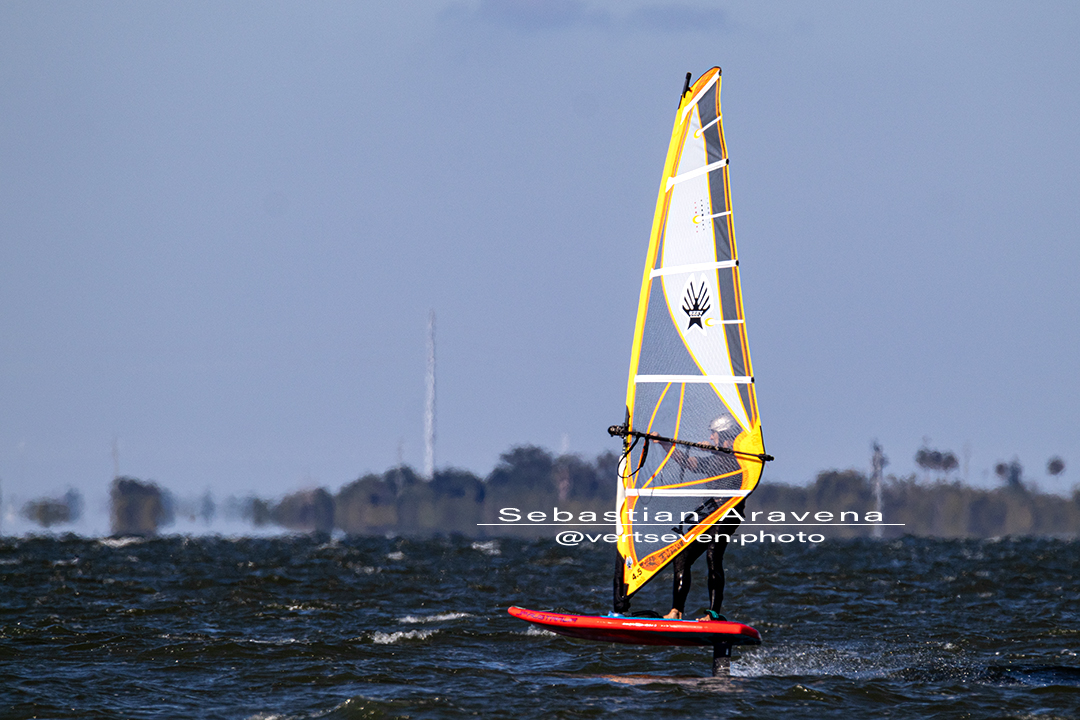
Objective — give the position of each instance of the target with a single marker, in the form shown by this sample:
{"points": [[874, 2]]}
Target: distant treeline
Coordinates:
{"points": [[939, 508], [530, 479], [400, 502]]}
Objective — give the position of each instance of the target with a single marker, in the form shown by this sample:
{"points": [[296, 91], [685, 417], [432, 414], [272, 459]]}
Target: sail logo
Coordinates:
{"points": [[696, 302]]}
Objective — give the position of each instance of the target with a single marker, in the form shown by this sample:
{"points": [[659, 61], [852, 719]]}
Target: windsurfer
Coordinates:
{"points": [[690, 363], [722, 432]]}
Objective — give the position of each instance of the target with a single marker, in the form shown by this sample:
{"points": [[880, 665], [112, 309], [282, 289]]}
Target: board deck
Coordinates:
{"points": [[642, 631]]}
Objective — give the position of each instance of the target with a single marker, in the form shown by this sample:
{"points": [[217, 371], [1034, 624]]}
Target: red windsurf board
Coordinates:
{"points": [[642, 631]]}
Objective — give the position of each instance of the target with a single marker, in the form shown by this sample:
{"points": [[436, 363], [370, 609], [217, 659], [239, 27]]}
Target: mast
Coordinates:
{"points": [[429, 402]]}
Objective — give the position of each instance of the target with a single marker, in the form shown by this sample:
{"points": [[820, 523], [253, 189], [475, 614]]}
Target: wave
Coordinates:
{"points": [[381, 638], [121, 541], [488, 547], [441, 617]]}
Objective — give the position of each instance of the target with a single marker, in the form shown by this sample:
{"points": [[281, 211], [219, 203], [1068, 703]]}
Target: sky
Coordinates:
{"points": [[223, 226]]}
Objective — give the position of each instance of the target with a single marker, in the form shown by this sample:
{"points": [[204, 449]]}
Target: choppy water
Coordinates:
{"points": [[303, 627]]}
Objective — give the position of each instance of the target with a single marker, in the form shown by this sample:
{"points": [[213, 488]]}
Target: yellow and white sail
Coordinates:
{"points": [[690, 371]]}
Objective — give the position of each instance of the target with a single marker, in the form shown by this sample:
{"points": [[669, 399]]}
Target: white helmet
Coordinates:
{"points": [[722, 424]]}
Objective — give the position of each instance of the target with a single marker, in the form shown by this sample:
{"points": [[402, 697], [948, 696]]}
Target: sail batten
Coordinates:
{"points": [[693, 445], [696, 267], [690, 175], [660, 492], [711, 379]]}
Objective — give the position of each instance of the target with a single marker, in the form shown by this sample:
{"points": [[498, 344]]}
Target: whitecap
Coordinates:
{"points": [[121, 541], [279, 641], [488, 547], [380, 638], [441, 617], [363, 569]]}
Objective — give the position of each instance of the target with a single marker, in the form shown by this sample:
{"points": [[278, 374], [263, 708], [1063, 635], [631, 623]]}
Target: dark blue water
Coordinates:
{"points": [[304, 627]]}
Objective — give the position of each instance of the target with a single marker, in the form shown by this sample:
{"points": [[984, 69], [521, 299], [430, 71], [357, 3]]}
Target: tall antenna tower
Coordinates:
{"points": [[429, 402], [878, 464], [116, 457]]}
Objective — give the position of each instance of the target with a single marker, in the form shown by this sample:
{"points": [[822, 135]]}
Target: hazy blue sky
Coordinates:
{"points": [[222, 226]]}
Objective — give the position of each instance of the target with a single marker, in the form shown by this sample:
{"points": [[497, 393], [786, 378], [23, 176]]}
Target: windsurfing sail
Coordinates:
{"points": [[692, 436]]}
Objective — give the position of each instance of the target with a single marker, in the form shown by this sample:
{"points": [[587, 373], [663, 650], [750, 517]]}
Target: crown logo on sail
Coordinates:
{"points": [[696, 303]]}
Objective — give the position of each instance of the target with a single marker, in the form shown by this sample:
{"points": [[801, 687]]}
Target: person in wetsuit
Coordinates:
{"points": [[722, 432]]}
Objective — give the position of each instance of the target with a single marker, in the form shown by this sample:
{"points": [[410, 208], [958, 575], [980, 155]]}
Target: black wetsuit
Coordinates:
{"points": [[714, 557], [713, 550], [708, 465]]}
